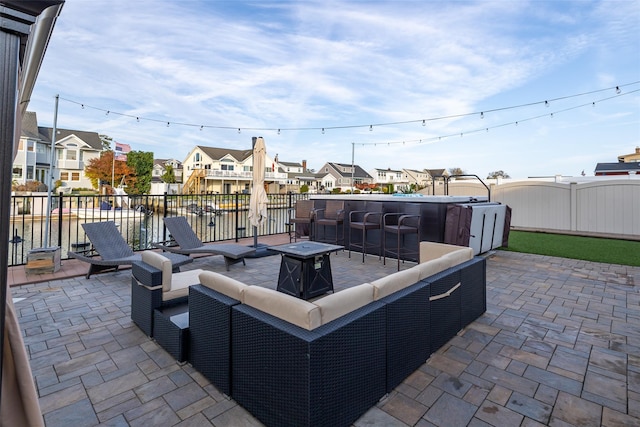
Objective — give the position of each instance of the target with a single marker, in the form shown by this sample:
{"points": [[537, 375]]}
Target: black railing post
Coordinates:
{"points": [[59, 219], [237, 198], [164, 215]]}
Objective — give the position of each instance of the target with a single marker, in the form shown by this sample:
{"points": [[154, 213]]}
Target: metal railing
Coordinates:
{"points": [[214, 217]]}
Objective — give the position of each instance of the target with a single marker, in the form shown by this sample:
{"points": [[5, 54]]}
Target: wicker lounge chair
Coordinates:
{"points": [[189, 243], [109, 249]]}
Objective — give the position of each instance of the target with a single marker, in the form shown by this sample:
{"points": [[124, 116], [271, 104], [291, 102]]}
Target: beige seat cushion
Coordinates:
{"points": [[223, 284], [180, 283], [394, 282], [433, 250], [163, 264], [286, 307], [336, 305]]}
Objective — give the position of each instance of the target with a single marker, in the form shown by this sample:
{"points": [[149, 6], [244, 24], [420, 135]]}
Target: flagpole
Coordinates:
{"points": [[51, 162], [113, 166]]}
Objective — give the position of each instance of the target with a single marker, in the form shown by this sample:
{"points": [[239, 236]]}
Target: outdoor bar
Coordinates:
{"points": [[433, 215]]}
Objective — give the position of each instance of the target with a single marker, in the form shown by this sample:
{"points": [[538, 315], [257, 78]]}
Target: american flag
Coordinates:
{"points": [[121, 151]]}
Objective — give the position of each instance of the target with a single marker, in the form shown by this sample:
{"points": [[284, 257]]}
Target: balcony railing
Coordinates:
{"points": [[214, 217]]}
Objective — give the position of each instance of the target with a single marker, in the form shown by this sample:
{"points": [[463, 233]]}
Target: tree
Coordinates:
{"points": [[497, 174], [456, 171], [101, 168], [169, 175], [106, 142], [142, 164]]}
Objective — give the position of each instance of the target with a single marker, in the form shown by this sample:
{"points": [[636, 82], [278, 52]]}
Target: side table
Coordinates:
{"points": [[171, 330]]}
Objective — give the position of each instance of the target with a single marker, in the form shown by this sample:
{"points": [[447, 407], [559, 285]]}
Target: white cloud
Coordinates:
{"points": [[318, 64]]}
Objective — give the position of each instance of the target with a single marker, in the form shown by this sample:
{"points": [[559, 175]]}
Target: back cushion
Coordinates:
{"points": [[429, 268], [458, 257], [343, 302], [286, 307], [433, 250], [396, 281], [223, 284], [161, 263]]}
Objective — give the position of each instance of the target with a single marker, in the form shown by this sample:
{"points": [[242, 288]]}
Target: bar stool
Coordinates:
{"points": [[401, 224], [366, 220], [331, 216], [301, 219]]}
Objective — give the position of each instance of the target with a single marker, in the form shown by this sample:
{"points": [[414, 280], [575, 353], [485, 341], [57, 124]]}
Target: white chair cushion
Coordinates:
{"points": [[394, 282], [163, 264], [180, 283], [337, 305], [223, 284], [286, 307]]}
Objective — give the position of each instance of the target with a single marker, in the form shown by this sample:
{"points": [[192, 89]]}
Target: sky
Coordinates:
{"points": [[526, 87]]}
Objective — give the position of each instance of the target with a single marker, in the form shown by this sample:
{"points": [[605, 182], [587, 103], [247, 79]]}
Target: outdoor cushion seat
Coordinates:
{"points": [[155, 286], [210, 330], [317, 374]]}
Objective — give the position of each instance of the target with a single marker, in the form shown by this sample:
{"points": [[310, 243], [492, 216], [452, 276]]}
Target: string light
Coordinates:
{"points": [[618, 90]]}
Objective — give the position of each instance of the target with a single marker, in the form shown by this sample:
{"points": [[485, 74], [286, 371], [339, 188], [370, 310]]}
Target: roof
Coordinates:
{"points": [[30, 129], [618, 167], [294, 164], [357, 173], [30, 125], [436, 172], [218, 153], [388, 170]]}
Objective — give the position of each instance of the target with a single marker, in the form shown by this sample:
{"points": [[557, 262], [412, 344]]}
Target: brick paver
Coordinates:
{"points": [[558, 345]]}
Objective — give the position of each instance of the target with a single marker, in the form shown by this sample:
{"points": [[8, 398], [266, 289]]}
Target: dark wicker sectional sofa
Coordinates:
{"points": [[325, 363]]}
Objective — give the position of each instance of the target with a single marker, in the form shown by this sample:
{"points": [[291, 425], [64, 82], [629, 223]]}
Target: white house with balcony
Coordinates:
{"points": [[394, 180], [73, 149], [225, 171]]}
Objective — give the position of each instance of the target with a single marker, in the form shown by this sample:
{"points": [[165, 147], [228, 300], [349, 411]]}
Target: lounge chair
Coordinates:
{"points": [[188, 243], [110, 250]]}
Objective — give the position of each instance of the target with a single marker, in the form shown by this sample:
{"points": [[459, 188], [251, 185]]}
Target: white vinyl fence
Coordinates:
{"points": [[584, 206]]}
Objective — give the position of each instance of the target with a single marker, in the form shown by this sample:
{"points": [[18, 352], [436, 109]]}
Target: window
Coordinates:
{"points": [[226, 167], [30, 173], [75, 176], [17, 172], [196, 158], [64, 176], [72, 155]]}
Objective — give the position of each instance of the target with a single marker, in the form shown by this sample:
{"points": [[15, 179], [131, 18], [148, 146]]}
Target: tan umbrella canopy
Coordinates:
{"points": [[258, 200]]}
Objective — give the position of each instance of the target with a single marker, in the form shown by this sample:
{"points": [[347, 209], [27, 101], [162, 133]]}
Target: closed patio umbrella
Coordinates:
{"points": [[258, 200]]}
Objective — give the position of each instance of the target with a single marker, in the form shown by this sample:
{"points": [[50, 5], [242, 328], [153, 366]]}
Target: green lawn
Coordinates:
{"points": [[611, 251]]}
